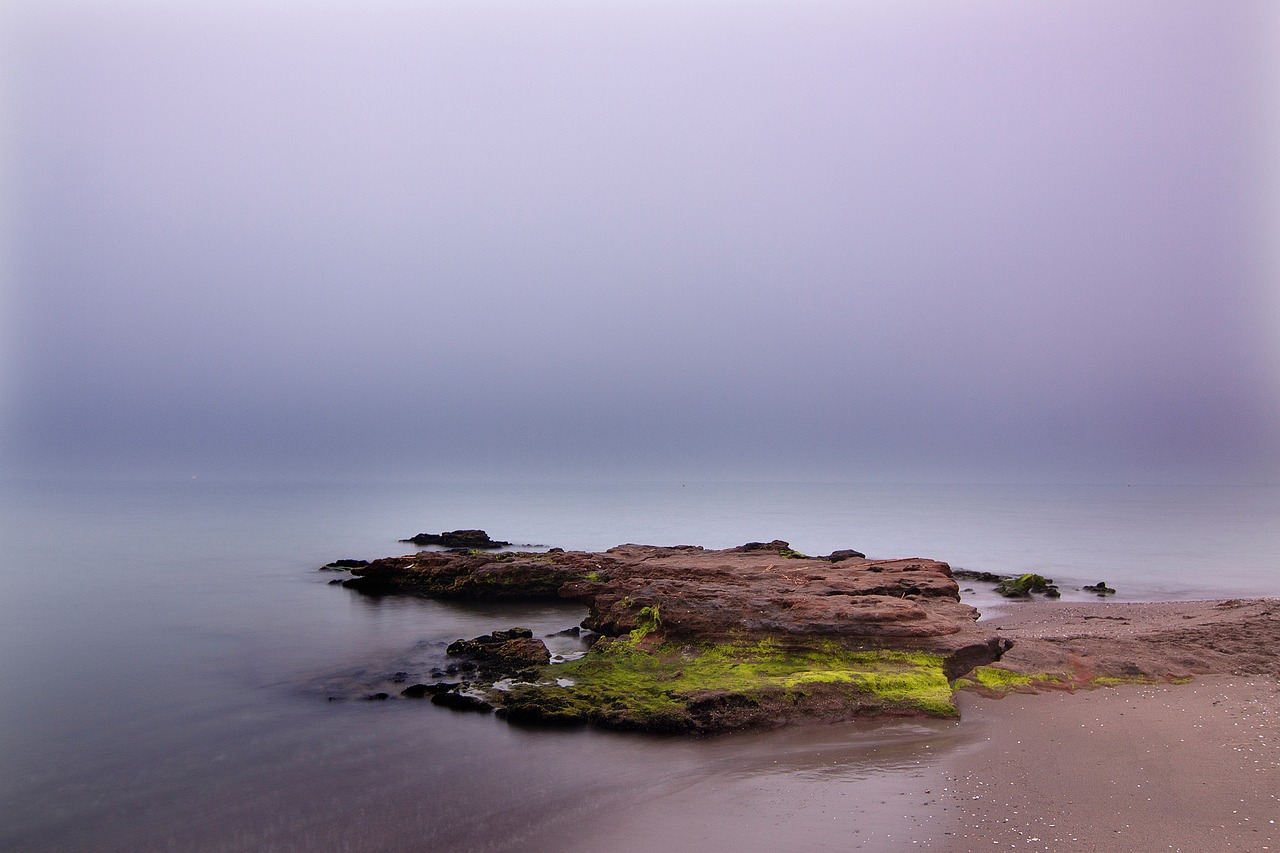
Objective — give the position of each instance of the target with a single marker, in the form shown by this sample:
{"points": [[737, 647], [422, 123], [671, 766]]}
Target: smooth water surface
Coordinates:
{"points": [[178, 676]]}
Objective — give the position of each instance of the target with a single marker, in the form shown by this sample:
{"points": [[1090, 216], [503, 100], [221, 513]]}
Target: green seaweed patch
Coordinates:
{"points": [[508, 556], [1117, 680], [995, 679], [705, 687], [648, 621], [792, 554]]}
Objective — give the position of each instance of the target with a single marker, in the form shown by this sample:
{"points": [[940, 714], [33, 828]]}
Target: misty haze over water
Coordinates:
{"points": [[904, 242]]}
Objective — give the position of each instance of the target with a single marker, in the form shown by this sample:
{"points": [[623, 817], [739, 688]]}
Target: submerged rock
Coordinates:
{"points": [[462, 701], [419, 691], [985, 577], [343, 565]]}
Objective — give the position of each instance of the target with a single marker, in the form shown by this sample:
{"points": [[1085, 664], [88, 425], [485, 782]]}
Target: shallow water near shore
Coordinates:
{"points": [[179, 676]]}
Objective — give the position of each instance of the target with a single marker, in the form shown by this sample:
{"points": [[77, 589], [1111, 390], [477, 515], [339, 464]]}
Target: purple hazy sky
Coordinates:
{"points": [[762, 240]]}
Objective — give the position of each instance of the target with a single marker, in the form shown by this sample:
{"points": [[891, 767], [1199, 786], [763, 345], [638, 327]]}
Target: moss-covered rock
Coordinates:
{"points": [[703, 688], [1023, 585], [703, 641]]}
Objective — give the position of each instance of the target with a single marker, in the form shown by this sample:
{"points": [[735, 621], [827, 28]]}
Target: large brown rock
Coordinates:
{"points": [[760, 590]]}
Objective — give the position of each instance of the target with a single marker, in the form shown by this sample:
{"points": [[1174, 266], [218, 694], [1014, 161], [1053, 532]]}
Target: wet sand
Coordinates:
{"points": [[1192, 768], [1142, 767], [837, 787]]}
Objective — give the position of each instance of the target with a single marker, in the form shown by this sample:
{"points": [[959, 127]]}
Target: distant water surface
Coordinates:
{"points": [[171, 654]]}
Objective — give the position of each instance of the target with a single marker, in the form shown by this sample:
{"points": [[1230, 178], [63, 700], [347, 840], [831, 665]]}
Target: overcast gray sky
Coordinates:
{"points": [[762, 240]]}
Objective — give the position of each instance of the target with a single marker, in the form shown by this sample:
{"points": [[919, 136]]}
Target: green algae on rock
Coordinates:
{"points": [[702, 688], [1023, 585]]}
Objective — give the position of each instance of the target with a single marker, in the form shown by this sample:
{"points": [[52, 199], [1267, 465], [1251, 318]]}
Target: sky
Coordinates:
{"points": [[761, 240]]}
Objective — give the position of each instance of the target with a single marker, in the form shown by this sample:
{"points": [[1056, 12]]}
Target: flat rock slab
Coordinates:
{"points": [[1071, 645], [751, 592]]}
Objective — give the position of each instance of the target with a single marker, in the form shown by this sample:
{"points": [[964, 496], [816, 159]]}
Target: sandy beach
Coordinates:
{"points": [[1189, 768], [1135, 767]]}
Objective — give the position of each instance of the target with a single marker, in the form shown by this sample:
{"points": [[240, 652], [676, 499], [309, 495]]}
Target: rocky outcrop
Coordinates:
{"points": [[343, 565], [457, 539], [697, 640], [503, 652]]}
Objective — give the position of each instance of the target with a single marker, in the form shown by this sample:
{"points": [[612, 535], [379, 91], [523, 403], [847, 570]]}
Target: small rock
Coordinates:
{"points": [[464, 539], [775, 545], [461, 702], [1023, 585], [418, 691], [343, 565]]}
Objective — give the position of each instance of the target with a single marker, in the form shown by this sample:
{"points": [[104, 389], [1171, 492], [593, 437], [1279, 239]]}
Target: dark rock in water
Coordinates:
{"points": [[460, 666], [555, 550], [847, 554], [418, 691], [337, 582], [377, 697], [457, 539], [985, 577], [506, 654], [343, 565], [399, 678], [461, 702], [1023, 585], [575, 631], [1100, 588], [1012, 586]]}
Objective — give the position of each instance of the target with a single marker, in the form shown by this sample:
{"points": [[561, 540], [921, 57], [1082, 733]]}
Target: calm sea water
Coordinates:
{"points": [[178, 676]]}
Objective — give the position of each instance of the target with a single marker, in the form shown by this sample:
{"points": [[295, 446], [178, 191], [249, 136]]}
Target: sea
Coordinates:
{"points": [[177, 674]]}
